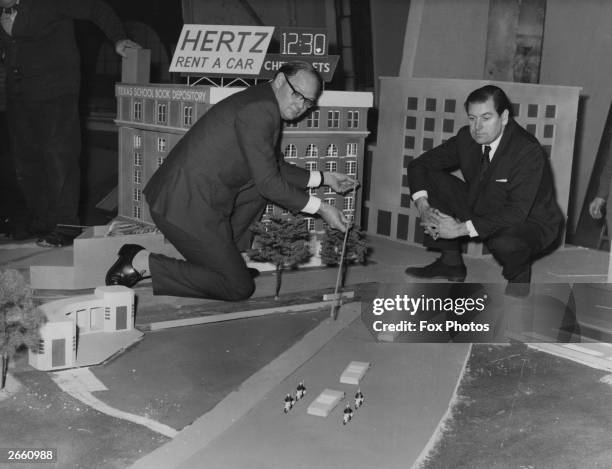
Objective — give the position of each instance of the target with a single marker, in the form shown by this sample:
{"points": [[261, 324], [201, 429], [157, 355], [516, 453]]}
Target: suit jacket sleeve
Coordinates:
{"points": [[524, 181], [256, 129], [444, 157], [96, 11], [297, 176]]}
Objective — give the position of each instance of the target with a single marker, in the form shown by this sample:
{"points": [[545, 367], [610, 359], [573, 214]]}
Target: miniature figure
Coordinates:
{"points": [[300, 391], [358, 399], [348, 414], [288, 403]]}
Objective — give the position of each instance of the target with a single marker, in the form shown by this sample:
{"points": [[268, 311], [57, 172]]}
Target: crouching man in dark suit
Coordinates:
{"points": [[507, 199], [216, 182]]}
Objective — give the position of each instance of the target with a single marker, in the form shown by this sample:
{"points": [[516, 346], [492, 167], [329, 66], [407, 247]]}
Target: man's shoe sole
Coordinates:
{"points": [[429, 277]]}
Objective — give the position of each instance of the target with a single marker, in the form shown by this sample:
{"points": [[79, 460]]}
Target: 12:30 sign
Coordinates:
{"points": [[303, 41]]}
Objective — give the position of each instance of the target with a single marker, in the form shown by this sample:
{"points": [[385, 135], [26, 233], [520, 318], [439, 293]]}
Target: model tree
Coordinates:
{"points": [[356, 248], [281, 241], [20, 320]]}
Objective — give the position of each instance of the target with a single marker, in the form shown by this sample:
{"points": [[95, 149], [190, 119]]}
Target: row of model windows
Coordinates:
{"points": [[138, 160], [162, 113], [333, 120], [161, 143], [312, 121], [312, 151], [350, 167], [347, 204]]}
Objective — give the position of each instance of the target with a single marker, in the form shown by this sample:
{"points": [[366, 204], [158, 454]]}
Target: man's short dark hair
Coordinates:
{"points": [[290, 69], [500, 99]]}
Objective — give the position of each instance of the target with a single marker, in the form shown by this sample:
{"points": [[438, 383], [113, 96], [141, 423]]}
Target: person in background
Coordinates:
{"points": [[599, 202], [41, 57], [11, 200]]}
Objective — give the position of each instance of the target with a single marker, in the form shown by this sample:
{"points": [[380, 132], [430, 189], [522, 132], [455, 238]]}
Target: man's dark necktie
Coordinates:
{"points": [[485, 163]]}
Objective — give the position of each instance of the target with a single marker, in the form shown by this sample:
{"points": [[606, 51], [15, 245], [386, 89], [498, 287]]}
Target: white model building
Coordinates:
{"points": [[85, 330]]}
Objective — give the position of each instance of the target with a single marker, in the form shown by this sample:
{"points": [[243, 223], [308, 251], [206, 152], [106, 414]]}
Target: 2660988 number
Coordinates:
{"points": [[16, 455]]}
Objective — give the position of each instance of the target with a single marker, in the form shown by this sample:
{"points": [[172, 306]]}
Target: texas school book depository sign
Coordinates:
{"points": [[242, 51]]}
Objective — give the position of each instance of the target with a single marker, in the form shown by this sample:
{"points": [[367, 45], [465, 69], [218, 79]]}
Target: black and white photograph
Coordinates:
{"points": [[318, 234]]}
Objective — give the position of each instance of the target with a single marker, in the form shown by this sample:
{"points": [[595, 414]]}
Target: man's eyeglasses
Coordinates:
{"points": [[296, 94]]}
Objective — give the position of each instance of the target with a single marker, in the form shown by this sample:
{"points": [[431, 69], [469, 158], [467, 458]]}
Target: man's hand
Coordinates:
{"points": [[123, 44], [426, 213], [333, 217], [449, 227], [596, 206], [339, 182]]}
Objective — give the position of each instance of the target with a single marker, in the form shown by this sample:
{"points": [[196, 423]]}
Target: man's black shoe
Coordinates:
{"points": [[437, 269], [122, 271], [520, 285]]}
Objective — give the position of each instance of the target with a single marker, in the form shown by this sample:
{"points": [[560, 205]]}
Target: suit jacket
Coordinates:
{"points": [[517, 188], [227, 156], [41, 55]]}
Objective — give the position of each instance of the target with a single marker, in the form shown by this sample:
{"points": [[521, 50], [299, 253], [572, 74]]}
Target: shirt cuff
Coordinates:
{"points": [[471, 229], [418, 195], [313, 205], [316, 179]]}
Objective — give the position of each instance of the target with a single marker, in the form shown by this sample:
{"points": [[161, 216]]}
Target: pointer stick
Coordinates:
{"points": [[337, 300]]}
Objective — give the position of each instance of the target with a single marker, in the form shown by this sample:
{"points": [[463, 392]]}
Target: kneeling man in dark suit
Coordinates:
{"points": [[217, 181], [506, 199]]}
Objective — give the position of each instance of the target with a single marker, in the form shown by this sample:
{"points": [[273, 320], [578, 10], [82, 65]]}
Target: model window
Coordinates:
{"points": [[188, 116], [331, 166], [137, 141], [332, 150], [137, 110], [330, 201], [333, 119], [291, 151], [350, 168], [351, 149], [352, 119], [313, 119], [137, 176], [137, 158], [312, 151], [311, 223], [137, 194], [161, 144], [162, 113], [348, 203], [311, 165]]}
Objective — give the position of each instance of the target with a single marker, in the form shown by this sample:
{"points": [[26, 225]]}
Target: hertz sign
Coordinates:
{"points": [[242, 51], [221, 50]]}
